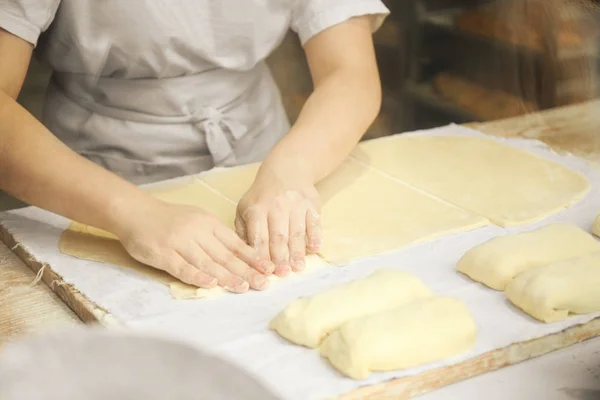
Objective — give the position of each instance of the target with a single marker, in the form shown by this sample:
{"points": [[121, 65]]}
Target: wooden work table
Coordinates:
{"points": [[28, 308]]}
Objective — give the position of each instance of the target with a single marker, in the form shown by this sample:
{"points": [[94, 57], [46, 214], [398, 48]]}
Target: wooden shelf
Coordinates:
{"points": [[534, 68]]}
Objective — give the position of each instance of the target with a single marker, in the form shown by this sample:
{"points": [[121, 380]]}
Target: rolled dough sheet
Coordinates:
{"points": [[420, 332], [508, 186], [89, 243], [232, 183], [365, 212], [307, 321], [549, 293], [497, 261]]}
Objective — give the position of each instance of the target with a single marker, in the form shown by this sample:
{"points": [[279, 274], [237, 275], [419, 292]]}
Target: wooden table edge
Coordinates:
{"points": [[411, 386], [84, 308]]}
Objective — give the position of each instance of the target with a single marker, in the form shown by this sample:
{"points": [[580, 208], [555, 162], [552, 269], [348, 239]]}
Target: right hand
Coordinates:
{"points": [[193, 246]]}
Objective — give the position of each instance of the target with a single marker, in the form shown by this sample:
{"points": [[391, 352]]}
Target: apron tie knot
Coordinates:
{"points": [[221, 134]]}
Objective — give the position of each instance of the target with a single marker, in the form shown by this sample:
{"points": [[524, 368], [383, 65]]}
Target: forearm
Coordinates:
{"points": [[331, 123], [346, 100], [38, 169]]}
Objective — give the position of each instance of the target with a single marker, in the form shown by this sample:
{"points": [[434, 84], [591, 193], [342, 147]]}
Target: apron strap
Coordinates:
{"points": [[221, 131]]}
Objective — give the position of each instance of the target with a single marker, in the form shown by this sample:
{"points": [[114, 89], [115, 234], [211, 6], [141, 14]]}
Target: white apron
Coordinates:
{"points": [[148, 130], [153, 89]]}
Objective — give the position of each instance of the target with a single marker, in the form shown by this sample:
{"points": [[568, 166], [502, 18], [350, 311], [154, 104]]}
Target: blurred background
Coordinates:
{"points": [[451, 61], [444, 61]]}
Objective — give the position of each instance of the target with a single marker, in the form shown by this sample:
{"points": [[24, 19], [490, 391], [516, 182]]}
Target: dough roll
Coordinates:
{"points": [[551, 292], [497, 261], [420, 332], [307, 321], [596, 226]]}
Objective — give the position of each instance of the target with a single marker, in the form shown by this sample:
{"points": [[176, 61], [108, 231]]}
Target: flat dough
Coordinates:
{"points": [[232, 183], [596, 226], [365, 212], [424, 331], [307, 321], [89, 243], [551, 292], [497, 261], [507, 185]]}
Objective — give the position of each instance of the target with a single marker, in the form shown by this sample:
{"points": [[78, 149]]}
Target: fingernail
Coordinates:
{"points": [[283, 270], [238, 286], [260, 282], [314, 242], [267, 267], [299, 264], [213, 282]]}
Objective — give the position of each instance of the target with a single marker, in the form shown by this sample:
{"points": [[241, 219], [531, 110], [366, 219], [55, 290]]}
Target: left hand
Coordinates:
{"points": [[280, 217]]}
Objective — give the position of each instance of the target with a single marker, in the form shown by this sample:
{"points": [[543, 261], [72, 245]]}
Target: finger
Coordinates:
{"points": [[240, 228], [221, 255], [298, 239], [227, 280], [198, 258], [279, 228], [314, 231], [178, 267], [242, 251], [258, 237]]}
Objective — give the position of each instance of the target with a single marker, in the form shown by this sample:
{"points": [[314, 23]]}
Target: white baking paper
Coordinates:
{"points": [[235, 326]]}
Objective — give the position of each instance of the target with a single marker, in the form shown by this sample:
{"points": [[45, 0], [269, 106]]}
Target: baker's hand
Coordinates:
{"points": [[280, 217], [193, 246]]}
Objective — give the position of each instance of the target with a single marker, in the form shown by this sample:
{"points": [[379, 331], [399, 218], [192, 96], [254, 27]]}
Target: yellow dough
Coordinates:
{"points": [[94, 244], [497, 261], [596, 227], [551, 292], [508, 186], [232, 183], [365, 212], [307, 321], [424, 331]]}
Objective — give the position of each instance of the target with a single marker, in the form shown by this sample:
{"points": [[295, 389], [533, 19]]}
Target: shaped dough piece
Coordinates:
{"points": [[364, 211], [596, 226], [307, 321], [551, 292], [424, 331], [89, 243], [508, 186], [497, 261]]}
